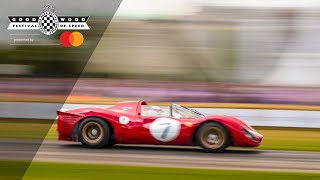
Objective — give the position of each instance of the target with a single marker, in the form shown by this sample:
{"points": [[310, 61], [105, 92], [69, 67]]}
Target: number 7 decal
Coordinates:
{"points": [[165, 129]]}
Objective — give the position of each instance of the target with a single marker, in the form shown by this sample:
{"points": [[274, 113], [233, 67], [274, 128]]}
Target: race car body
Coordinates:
{"points": [[136, 122]]}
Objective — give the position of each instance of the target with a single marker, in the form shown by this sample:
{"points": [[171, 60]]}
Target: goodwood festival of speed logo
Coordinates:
{"points": [[48, 22]]}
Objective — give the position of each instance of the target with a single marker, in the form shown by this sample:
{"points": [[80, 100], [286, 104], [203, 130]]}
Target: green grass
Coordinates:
{"points": [[299, 139], [24, 129], [13, 170], [10, 170], [53, 171]]}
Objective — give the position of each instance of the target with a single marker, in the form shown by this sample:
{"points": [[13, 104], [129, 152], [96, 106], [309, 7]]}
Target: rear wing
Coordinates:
{"points": [[67, 115]]}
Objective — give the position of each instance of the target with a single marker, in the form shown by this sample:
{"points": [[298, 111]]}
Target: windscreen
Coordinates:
{"points": [[183, 112]]}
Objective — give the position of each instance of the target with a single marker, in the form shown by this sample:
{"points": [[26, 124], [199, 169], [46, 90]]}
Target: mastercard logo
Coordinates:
{"points": [[71, 39]]}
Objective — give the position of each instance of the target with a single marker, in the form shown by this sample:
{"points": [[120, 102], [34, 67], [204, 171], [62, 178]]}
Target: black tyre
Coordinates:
{"points": [[94, 132], [213, 137]]}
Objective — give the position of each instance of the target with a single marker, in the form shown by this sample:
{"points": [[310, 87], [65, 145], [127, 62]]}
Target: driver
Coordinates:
{"points": [[155, 111]]}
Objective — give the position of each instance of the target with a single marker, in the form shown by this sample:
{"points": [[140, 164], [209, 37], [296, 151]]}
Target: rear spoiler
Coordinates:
{"points": [[59, 112]]}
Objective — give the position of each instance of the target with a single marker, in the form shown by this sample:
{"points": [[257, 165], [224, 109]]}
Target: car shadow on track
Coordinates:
{"points": [[173, 149]]}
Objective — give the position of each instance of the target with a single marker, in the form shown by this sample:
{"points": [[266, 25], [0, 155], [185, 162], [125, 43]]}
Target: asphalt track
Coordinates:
{"points": [[170, 156]]}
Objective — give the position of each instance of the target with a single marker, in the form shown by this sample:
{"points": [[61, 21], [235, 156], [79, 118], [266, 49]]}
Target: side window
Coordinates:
{"points": [[176, 113]]}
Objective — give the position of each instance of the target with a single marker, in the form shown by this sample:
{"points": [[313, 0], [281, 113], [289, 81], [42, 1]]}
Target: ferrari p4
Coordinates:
{"points": [[136, 122]]}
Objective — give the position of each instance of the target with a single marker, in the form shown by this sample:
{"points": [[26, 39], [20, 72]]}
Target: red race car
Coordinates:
{"points": [[136, 122]]}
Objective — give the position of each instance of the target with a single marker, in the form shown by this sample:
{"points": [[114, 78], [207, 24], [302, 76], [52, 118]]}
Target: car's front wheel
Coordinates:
{"points": [[94, 132], [213, 137]]}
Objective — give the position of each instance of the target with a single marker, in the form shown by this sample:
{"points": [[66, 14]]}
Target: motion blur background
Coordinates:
{"points": [[198, 51], [214, 55]]}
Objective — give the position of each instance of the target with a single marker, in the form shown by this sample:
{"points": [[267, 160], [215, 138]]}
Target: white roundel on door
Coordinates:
{"points": [[124, 120], [165, 129]]}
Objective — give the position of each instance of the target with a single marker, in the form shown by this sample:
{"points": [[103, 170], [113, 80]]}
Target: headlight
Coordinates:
{"points": [[250, 127], [248, 134]]}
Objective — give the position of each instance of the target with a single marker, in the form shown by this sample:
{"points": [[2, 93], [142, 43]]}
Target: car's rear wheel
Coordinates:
{"points": [[94, 132], [213, 137]]}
